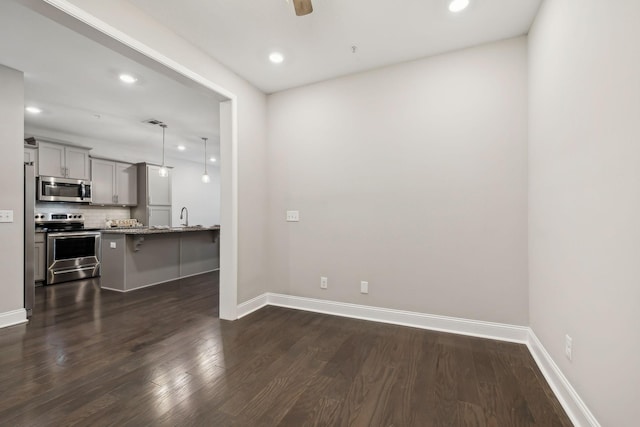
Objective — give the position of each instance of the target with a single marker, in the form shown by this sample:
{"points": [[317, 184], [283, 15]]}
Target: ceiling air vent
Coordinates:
{"points": [[31, 141], [153, 121]]}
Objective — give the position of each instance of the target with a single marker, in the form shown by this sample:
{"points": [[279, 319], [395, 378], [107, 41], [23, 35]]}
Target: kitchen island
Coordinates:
{"points": [[134, 258]]}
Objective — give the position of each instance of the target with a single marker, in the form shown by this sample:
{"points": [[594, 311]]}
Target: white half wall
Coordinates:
{"points": [[584, 198], [12, 196], [411, 177]]}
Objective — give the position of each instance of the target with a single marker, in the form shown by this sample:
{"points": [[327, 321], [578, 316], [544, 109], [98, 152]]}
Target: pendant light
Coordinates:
{"points": [[163, 171], [205, 176]]}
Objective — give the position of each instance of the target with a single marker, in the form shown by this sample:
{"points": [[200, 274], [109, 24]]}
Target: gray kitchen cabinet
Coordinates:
{"points": [[159, 216], [40, 257], [63, 161], [113, 183], [31, 156], [159, 187], [154, 196]]}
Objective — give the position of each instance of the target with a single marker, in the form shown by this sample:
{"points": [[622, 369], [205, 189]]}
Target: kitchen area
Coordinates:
{"points": [[89, 217], [121, 163]]}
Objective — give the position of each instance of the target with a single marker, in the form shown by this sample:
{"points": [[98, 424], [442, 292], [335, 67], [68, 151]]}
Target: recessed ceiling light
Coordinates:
{"points": [[181, 147], [213, 159], [458, 5], [128, 78], [276, 57], [33, 110]]}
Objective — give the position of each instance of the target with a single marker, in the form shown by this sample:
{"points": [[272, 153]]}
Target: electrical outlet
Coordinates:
{"points": [[568, 347], [112, 245], [324, 282], [293, 216], [6, 216], [364, 287]]}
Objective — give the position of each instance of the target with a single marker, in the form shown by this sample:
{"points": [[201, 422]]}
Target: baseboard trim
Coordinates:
{"points": [[454, 325], [12, 318], [252, 305], [575, 408]]}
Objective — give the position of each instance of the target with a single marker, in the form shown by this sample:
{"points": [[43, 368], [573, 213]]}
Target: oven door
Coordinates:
{"points": [[72, 255], [51, 189]]}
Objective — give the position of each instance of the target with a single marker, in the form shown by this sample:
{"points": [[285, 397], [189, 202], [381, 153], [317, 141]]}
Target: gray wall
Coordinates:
{"points": [[413, 177], [11, 197], [584, 221]]}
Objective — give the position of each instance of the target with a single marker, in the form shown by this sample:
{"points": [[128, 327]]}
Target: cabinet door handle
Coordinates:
{"points": [[62, 171], [116, 198]]}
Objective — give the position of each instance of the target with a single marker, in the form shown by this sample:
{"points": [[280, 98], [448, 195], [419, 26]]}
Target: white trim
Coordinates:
{"points": [[229, 200], [12, 318], [252, 305], [562, 388], [476, 328]]}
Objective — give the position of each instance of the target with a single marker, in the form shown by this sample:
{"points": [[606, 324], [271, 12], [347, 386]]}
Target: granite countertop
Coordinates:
{"points": [[158, 230]]}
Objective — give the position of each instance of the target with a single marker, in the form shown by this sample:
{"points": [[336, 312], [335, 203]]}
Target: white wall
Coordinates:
{"points": [[413, 177], [584, 226], [202, 200], [12, 177]]}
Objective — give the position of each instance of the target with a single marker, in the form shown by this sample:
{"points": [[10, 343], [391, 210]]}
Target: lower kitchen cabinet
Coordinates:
{"points": [[40, 257]]}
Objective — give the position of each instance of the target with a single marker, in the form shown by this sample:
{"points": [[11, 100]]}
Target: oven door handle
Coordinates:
{"points": [[72, 234], [73, 270]]}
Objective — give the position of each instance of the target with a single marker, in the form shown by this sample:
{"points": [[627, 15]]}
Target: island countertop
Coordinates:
{"points": [[159, 230]]}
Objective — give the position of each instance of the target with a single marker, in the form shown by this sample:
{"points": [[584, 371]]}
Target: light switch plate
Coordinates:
{"points": [[6, 216], [112, 245], [293, 216]]}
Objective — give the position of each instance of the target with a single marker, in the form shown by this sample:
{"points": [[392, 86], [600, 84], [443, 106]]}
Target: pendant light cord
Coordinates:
{"points": [[205, 155], [163, 128]]}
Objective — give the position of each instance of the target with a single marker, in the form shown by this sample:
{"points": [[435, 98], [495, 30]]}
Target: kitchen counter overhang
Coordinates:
{"points": [[135, 258]]}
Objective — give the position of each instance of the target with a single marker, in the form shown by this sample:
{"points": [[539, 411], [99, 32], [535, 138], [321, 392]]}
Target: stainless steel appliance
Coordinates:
{"points": [[29, 237], [52, 189], [73, 252]]}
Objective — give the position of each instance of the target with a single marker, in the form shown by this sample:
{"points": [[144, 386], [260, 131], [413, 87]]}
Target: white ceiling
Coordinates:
{"points": [[242, 33], [75, 82], [74, 79]]}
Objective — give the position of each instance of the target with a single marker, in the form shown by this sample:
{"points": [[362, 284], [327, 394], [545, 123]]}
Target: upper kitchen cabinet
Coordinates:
{"points": [[159, 187], [114, 183], [154, 196], [31, 156], [63, 161]]}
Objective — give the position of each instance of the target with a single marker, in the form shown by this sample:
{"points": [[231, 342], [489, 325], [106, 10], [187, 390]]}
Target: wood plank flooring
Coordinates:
{"points": [[160, 356]]}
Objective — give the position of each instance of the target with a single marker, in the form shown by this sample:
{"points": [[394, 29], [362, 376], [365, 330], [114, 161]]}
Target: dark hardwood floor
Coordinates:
{"points": [[160, 356]]}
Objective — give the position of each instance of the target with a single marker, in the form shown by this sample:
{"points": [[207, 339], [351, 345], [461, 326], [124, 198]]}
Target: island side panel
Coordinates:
{"points": [[199, 252], [112, 274], [154, 260]]}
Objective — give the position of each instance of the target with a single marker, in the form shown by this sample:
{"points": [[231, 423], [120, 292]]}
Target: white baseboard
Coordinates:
{"points": [[252, 305], [562, 388], [567, 396], [11, 318], [454, 325]]}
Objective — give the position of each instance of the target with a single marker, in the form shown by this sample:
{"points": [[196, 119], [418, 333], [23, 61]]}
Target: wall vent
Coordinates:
{"points": [[153, 121]]}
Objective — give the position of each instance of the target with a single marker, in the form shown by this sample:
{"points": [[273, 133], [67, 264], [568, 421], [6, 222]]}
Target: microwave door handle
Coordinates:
{"points": [[83, 191]]}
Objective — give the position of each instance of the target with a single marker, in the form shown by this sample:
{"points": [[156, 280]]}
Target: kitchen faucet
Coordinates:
{"points": [[182, 211]]}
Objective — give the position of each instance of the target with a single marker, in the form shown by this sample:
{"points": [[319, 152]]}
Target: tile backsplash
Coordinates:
{"points": [[94, 216]]}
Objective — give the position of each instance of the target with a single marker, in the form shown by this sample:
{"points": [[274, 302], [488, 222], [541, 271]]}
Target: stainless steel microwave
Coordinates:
{"points": [[52, 189]]}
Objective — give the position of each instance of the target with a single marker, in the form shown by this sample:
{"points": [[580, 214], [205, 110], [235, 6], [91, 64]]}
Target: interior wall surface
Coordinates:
{"points": [[584, 198], [413, 178], [12, 195]]}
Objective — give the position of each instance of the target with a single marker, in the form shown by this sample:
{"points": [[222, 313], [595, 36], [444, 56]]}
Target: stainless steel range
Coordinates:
{"points": [[73, 252]]}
